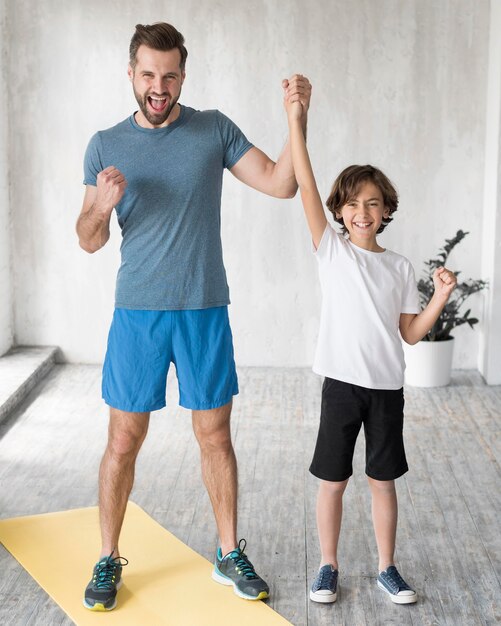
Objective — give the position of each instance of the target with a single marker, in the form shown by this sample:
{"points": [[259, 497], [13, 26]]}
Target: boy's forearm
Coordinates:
{"points": [[423, 323], [310, 197], [300, 157]]}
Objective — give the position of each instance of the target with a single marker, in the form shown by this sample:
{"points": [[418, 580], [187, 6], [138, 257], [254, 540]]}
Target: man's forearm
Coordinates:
{"points": [[93, 229], [283, 174]]}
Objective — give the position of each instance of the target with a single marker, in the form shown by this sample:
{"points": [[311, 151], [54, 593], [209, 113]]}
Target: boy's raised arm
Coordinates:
{"points": [[414, 327], [310, 197]]}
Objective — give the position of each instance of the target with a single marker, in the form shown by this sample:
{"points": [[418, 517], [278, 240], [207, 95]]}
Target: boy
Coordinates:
{"points": [[369, 295]]}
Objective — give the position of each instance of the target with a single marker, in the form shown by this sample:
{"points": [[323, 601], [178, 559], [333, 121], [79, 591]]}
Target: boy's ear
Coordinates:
{"points": [[386, 212]]}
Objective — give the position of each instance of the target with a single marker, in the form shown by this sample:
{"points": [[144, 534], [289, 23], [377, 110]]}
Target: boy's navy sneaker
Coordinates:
{"points": [[101, 592], [395, 586], [324, 588], [236, 569]]}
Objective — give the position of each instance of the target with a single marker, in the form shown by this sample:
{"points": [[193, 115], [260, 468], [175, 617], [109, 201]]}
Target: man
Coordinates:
{"points": [[161, 169]]}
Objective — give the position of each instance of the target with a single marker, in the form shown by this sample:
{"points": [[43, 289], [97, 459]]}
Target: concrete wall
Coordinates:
{"points": [[397, 83], [6, 310], [490, 338]]}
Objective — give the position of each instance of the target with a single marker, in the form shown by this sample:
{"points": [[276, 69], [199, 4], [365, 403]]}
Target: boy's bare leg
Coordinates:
{"points": [[329, 515], [126, 433], [384, 518], [219, 469]]}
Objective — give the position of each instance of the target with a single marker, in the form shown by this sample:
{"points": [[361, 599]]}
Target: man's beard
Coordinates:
{"points": [[154, 119]]}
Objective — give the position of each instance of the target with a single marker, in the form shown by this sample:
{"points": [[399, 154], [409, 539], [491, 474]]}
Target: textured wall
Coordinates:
{"points": [[396, 83], [6, 321], [490, 338]]}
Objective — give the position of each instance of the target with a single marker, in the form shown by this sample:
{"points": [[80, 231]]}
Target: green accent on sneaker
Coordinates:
{"points": [[236, 569], [101, 592]]}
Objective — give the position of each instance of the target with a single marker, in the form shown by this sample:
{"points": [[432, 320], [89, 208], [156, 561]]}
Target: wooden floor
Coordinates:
{"points": [[449, 536]]}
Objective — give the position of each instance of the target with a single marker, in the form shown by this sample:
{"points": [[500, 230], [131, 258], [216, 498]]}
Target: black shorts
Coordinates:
{"points": [[345, 407]]}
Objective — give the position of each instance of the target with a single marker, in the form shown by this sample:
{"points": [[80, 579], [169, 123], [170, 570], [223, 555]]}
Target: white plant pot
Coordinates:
{"points": [[428, 363]]}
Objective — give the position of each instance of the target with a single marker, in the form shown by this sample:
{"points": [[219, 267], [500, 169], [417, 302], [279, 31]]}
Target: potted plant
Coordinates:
{"points": [[429, 362]]}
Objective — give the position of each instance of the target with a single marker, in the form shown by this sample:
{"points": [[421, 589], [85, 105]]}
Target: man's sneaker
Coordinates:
{"points": [[101, 592], [236, 569], [324, 588], [396, 587]]}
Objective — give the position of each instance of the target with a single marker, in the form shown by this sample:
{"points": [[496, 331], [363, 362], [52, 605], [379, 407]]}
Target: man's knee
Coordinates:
{"points": [[126, 433], [214, 440], [212, 429]]}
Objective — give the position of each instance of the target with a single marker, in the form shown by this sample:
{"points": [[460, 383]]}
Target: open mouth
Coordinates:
{"points": [[158, 103], [362, 225]]}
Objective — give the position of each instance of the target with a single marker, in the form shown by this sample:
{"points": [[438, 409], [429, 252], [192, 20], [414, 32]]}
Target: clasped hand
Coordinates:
{"points": [[297, 95]]}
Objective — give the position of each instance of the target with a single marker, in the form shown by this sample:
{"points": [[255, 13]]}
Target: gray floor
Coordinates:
{"points": [[449, 542]]}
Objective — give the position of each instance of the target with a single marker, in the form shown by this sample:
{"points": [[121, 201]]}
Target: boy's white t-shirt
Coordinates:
{"points": [[364, 294]]}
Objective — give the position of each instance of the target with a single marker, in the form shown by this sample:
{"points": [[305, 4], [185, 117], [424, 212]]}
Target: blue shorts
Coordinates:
{"points": [[141, 346]]}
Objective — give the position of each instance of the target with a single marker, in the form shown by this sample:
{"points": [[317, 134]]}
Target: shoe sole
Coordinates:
{"points": [[223, 580], [398, 599], [324, 598], [99, 606]]}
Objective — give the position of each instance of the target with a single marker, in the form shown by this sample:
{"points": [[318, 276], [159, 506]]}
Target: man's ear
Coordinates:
{"points": [[130, 72]]}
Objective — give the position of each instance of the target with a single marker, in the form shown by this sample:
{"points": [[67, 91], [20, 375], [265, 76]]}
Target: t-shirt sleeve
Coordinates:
{"points": [[92, 161], [235, 143], [410, 295], [328, 246]]}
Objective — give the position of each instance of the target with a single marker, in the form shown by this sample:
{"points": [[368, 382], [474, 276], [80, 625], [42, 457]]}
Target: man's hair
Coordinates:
{"points": [[348, 183], [158, 36]]}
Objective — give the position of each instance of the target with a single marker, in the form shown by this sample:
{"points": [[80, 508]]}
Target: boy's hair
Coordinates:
{"points": [[158, 36], [348, 183]]}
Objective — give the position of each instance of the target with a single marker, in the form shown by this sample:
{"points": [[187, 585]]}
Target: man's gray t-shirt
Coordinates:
{"points": [[170, 213]]}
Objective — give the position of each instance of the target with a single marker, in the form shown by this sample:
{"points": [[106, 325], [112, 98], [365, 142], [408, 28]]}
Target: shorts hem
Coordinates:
{"points": [[393, 476], [132, 409], [207, 406], [322, 476]]}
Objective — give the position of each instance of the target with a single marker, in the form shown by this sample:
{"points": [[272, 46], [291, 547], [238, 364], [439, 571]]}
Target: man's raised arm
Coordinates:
{"points": [[257, 170]]}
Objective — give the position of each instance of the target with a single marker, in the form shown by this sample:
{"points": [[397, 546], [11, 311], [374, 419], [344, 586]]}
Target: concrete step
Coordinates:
{"points": [[21, 369]]}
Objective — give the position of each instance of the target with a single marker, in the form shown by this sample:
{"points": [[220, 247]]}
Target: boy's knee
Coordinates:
{"points": [[333, 487], [382, 486]]}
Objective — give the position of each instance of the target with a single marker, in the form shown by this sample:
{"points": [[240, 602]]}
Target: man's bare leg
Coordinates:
{"points": [[219, 469], [126, 433]]}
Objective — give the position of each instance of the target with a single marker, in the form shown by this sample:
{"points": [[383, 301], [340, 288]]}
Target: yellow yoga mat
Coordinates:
{"points": [[165, 584]]}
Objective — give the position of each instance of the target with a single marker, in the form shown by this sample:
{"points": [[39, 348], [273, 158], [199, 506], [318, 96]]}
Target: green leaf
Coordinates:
{"points": [[450, 317]]}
